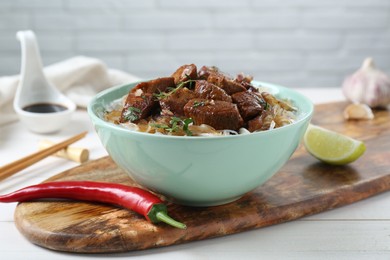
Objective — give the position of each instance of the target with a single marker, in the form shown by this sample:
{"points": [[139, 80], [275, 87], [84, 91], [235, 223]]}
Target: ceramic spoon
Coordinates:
{"points": [[40, 106]]}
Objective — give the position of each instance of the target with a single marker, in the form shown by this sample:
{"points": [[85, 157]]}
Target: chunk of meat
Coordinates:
{"points": [[184, 73], [250, 88], [137, 107], [140, 101], [205, 72], [207, 90], [216, 113], [174, 103], [249, 104], [155, 85], [241, 77], [257, 123], [229, 85], [245, 81]]}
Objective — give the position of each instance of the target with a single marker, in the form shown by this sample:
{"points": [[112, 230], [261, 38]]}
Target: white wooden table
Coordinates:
{"points": [[357, 231]]}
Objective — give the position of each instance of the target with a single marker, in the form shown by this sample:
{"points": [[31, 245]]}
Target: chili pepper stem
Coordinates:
{"points": [[163, 216], [158, 213]]}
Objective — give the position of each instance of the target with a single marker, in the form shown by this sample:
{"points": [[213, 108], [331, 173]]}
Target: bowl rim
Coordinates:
{"points": [[96, 119]]}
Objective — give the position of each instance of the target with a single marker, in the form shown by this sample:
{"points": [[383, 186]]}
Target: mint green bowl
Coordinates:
{"points": [[201, 171]]}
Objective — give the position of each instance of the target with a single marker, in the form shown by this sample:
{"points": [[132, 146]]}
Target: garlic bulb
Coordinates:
{"points": [[368, 85]]}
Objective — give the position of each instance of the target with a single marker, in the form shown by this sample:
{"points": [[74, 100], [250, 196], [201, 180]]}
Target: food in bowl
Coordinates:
{"points": [[203, 170], [199, 103]]}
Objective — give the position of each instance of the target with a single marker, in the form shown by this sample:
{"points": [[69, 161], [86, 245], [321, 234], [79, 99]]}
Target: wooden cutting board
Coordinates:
{"points": [[303, 187]]}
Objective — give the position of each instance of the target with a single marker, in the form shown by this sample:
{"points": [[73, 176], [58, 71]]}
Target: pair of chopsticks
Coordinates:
{"points": [[16, 166]]}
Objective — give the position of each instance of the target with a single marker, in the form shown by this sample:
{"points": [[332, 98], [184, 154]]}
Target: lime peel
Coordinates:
{"points": [[332, 147]]}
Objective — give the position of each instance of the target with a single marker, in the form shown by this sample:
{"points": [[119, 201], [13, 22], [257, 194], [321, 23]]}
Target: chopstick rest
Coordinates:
{"points": [[18, 165], [72, 153]]}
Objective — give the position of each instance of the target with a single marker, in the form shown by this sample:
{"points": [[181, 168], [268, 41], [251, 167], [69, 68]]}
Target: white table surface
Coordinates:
{"points": [[357, 231]]}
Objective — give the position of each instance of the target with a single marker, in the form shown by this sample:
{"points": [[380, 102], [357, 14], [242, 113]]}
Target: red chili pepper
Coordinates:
{"points": [[133, 198]]}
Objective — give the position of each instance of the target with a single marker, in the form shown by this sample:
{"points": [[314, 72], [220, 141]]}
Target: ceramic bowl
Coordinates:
{"points": [[201, 171]]}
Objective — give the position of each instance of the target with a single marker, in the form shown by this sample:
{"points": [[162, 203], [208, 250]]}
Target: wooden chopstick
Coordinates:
{"points": [[18, 165]]}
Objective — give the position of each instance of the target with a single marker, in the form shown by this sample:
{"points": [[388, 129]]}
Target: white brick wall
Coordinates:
{"points": [[298, 43]]}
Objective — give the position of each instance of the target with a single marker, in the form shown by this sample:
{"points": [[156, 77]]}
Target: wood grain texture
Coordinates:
{"points": [[302, 187]]}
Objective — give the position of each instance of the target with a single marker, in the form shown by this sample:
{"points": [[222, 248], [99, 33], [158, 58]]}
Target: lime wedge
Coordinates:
{"points": [[332, 147]]}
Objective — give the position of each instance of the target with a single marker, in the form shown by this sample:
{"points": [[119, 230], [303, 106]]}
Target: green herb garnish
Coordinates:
{"points": [[161, 126], [163, 95], [187, 122], [198, 104], [175, 121], [189, 80], [176, 124], [132, 114]]}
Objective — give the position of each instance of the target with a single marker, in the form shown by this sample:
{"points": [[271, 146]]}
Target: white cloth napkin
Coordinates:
{"points": [[80, 78]]}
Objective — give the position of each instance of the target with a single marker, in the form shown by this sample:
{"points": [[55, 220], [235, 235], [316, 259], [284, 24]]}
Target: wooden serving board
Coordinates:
{"points": [[303, 187]]}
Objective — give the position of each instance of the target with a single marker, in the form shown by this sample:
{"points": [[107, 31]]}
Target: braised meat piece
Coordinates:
{"points": [[207, 90], [240, 78], [216, 113], [174, 103], [155, 86], [249, 104], [140, 100], [257, 123], [184, 73], [205, 72], [229, 85], [137, 107], [245, 81]]}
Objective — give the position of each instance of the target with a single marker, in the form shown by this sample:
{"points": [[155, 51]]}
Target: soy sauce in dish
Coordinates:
{"points": [[44, 108]]}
